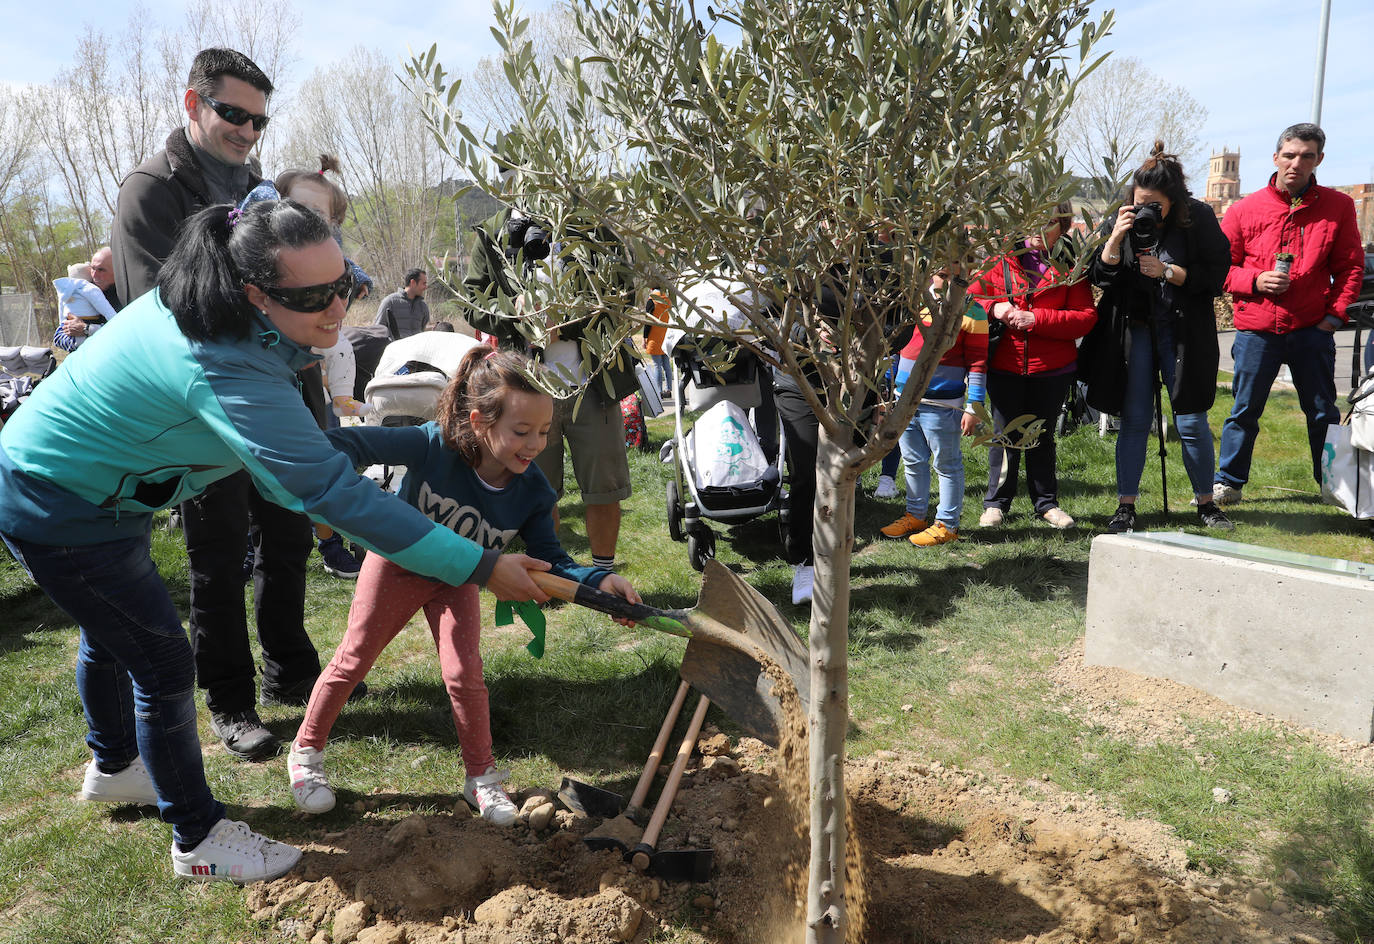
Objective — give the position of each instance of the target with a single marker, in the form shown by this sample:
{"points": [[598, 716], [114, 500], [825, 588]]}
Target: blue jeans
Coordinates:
{"points": [[1310, 354], [662, 372], [1137, 415], [134, 670], [932, 438]]}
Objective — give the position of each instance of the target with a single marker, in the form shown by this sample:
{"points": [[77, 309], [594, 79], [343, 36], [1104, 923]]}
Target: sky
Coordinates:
{"points": [[1250, 63]]}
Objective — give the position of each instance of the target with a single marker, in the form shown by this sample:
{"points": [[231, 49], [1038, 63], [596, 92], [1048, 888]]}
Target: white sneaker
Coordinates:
{"points": [[488, 798], [991, 518], [1224, 494], [309, 785], [234, 853], [887, 487], [130, 785], [803, 581]]}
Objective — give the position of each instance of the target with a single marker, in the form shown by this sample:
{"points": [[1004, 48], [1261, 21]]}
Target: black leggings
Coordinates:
{"points": [[1011, 396]]}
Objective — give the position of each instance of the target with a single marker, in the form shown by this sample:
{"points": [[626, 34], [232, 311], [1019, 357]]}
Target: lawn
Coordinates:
{"points": [[949, 653]]}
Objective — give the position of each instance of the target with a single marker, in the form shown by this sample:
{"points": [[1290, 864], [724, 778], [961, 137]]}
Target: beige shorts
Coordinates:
{"points": [[596, 441]]}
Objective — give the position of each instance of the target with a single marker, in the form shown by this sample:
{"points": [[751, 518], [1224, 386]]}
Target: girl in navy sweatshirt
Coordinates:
{"points": [[470, 470]]}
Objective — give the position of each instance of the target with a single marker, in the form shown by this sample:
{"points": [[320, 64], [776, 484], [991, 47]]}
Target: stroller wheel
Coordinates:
{"points": [[701, 547], [674, 511]]}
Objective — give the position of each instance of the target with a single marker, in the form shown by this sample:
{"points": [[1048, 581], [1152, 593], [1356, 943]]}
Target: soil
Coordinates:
{"points": [[944, 855]]}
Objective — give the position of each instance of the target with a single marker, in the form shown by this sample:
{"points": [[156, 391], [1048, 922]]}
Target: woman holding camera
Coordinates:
{"points": [[1162, 264], [1034, 317]]}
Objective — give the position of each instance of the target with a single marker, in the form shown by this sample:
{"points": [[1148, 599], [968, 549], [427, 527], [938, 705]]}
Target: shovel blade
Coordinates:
{"points": [[680, 865], [587, 800], [733, 678]]}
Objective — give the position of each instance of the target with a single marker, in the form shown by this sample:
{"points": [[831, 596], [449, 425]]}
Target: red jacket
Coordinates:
{"points": [[1328, 263], [1063, 314]]}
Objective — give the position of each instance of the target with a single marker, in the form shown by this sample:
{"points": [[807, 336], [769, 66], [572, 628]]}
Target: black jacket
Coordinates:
{"points": [[154, 200], [489, 273], [1205, 253]]}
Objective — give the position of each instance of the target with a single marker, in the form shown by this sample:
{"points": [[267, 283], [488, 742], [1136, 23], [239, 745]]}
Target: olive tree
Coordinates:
{"points": [[829, 156]]}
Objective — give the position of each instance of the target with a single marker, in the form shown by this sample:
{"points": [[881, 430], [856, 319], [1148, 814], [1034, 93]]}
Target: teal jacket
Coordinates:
{"points": [[142, 418]]}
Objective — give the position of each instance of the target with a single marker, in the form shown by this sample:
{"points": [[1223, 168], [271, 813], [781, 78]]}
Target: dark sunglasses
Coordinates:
{"points": [[313, 298], [236, 115]]}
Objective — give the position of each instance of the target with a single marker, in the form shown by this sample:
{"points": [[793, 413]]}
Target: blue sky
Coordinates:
{"points": [[1251, 63]]}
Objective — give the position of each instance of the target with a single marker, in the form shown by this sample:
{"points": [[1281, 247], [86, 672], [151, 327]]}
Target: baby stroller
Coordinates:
{"points": [[411, 374], [723, 469], [21, 368]]}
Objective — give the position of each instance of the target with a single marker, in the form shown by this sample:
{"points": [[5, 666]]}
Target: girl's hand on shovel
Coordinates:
{"points": [[510, 579], [618, 585]]}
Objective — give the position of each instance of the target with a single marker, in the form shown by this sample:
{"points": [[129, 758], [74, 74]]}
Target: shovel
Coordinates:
{"points": [[729, 629], [611, 834], [678, 865]]}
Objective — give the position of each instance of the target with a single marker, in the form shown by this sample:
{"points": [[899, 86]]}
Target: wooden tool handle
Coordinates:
{"points": [[666, 621], [640, 858], [660, 745]]}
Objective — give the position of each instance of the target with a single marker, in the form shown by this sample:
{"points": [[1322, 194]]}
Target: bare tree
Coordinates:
{"points": [[120, 97], [393, 171], [1124, 102], [487, 97]]}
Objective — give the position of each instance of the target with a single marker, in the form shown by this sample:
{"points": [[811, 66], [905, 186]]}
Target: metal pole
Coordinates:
{"points": [[1321, 63]]}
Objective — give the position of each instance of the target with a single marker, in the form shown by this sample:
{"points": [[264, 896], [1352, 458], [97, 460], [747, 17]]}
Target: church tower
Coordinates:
{"points": [[1223, 180]]}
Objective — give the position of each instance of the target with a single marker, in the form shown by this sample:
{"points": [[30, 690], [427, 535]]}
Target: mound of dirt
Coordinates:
{"points": [[947, 855]]}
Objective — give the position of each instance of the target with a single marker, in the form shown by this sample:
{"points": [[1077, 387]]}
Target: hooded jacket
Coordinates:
{"points": [[145, 418], [1328, 260]]}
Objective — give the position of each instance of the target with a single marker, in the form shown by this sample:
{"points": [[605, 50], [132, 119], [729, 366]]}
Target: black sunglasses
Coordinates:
{"points": [[236, 115], [313, 298]]}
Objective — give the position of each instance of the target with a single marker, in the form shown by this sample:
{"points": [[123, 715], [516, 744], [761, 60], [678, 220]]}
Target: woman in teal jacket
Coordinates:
{"points": [[195, 381]]}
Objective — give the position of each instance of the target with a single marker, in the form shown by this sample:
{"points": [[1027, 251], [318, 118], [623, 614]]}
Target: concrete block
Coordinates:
{"points": [[1291, 635]]}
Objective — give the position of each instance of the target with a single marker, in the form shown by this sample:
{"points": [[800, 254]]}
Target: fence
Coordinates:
{"points": [[18, 326]]}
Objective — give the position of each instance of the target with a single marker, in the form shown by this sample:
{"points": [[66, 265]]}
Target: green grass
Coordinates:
{"points": [[961, 636]]}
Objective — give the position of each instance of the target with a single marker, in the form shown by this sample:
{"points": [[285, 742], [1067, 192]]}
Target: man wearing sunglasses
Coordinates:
{"points": [[204, 163], [209, 162]]}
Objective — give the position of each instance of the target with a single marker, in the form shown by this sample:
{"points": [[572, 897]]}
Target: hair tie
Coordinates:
{"points": [[487, 357], [234, 216]]}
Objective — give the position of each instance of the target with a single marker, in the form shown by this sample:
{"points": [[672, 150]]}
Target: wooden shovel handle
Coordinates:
{"points": [[660, 745], [601, 601], [640, 859]]}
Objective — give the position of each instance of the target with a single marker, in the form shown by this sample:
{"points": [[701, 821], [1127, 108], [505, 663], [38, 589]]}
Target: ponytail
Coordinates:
{"points": [[221, 249], [338, 199], [1164, 173], [198, 282], [482, 382]]}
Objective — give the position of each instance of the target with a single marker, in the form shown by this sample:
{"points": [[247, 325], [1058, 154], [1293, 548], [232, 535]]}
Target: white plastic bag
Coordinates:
{"points": [[725, 449], [1347, 473], [1362, 414]]}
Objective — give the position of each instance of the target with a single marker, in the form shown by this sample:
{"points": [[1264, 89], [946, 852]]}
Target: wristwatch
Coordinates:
{"points": [[1168, 274]]}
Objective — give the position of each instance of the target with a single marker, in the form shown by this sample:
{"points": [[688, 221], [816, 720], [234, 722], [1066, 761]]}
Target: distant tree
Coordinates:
{"points": [[829, 149], [491, 105], [38, 235], [1124, 102], [113, 106], [392, 169]]}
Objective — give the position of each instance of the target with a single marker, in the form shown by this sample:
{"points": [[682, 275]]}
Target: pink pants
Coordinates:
{"points": [[386, 598]]}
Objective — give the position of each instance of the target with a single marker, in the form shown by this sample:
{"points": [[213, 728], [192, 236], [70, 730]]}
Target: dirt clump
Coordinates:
{"points": [[947, 855]]}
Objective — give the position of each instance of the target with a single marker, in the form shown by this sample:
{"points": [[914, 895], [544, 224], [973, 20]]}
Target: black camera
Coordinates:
{"points": [[526, 237], [1145, 228]]}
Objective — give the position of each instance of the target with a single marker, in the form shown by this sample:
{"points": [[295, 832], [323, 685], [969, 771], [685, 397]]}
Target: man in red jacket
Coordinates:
{"points": [[1296, 263]]}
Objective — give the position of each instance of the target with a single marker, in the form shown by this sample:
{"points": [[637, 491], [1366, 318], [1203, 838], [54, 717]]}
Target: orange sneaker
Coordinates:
{"points": [[935, 534], [906, 524]]}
